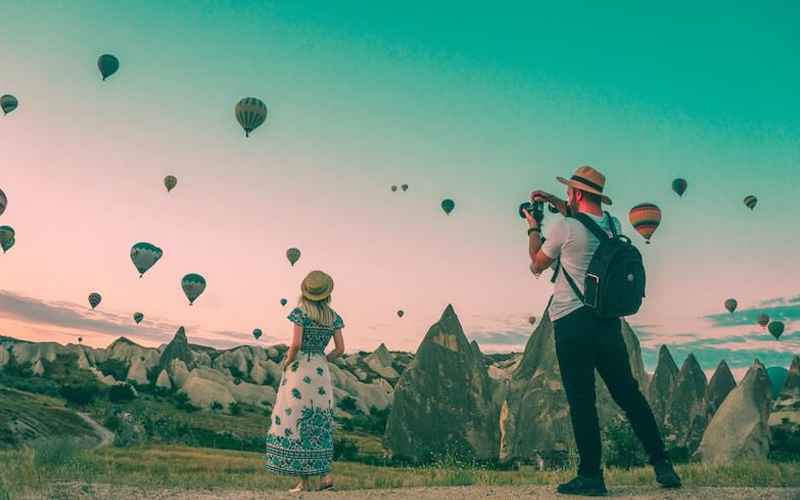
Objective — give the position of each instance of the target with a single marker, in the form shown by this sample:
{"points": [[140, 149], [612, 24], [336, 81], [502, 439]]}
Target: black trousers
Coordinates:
{"points": [[585, 342]]}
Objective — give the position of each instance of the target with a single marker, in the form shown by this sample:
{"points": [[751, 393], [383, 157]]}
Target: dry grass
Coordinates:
{"points": [[37, 471]]}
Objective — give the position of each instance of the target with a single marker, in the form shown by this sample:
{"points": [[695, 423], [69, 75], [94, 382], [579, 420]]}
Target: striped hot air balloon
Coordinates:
{"points": [[3, 202], [193, 285], [108, 65], [679, 186], [645, 218], [750, 202], [731, 305], [250, 113], [8, 103], [763, 320], [6, 235], [448, 205], [138, 317], [94, 299], [170, 182], [293, 254], [144, 256]]}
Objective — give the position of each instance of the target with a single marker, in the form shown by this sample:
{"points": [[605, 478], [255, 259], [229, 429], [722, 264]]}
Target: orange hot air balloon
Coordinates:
{"points": [[645, 218]]}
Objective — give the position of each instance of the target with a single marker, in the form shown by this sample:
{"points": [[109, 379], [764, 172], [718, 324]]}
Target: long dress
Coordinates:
{"points": [[300, 436]]}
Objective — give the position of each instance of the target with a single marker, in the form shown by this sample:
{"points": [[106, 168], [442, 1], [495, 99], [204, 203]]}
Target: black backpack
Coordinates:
{"points": [[615, 279]]}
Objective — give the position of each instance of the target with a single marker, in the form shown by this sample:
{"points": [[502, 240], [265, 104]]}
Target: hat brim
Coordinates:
{"points": [[319, 296], [577, 185]]}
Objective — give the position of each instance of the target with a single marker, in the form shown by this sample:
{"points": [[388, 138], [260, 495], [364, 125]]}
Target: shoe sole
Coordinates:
{"points": [[589, 493]]}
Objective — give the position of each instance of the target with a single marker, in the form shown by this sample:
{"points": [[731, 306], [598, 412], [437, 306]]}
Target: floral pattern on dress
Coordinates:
{"points": [[301, 443]]}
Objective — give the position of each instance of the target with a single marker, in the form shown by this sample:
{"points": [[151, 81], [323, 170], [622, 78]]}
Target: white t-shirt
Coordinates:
{"points": [[569, 239]]}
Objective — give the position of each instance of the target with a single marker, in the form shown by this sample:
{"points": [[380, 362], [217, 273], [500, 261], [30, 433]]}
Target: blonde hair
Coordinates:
{"points": [[318, 310]]}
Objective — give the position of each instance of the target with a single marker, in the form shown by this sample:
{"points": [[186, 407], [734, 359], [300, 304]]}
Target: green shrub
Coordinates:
{"points": [[216, 406], [623, 449], [112, 423], [80, 395], [121, 393], [348, 403], [235, 408], [344, 449], [114, 367]]}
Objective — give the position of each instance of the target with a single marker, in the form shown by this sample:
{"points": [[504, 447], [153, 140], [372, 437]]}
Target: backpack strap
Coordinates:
{"points": [[593, 226]]}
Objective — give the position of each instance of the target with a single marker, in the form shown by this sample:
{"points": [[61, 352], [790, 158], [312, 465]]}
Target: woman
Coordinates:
{"points": [[300, 437]]}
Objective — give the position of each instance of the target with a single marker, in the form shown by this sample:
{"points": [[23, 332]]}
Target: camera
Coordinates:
{"points": [[535, 209]]}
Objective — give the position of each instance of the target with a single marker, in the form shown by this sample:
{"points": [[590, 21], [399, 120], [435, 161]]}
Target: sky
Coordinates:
{"points": [[478, 103]]}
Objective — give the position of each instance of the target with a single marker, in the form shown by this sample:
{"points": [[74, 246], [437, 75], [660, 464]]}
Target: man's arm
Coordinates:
{"points": [[539, 260]]}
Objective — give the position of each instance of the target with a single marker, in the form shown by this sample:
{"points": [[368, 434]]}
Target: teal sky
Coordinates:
{"points": [[480, 103]]}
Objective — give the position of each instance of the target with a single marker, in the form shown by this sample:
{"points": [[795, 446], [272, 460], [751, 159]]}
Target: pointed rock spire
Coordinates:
{"points": [[740, 428], [722, 383], [791, 386], [663, 384], [686, 417], [442, 401], [178, 348]]}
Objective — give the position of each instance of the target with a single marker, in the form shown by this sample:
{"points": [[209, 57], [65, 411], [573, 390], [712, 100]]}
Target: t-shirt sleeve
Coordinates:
{"points": [[556, 237], [296, 316], [338, 323]]}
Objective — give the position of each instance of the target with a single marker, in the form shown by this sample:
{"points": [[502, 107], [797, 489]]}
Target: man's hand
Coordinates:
{"points": [[531, 221], [552, 199]]}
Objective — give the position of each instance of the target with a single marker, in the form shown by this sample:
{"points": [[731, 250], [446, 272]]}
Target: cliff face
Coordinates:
{"points": [[442, 401]]}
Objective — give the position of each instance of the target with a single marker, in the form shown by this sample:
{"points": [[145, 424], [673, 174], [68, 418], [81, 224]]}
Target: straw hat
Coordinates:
{"points": [[317, 286], [587, 179]]}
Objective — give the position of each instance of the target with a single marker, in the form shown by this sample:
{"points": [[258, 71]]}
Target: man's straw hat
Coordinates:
{"points": [[587, 179], [317, 286]]}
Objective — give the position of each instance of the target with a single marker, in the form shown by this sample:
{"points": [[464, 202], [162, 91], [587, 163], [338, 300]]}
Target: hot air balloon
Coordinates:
{"points": [[293, 254], [193, 285], [448, 205], [679, 186], [283, 302], [257, 333], [6, 245], [532, 320], [138, 317], [775, 329], [400, 314], [751, 201], [3, 202], [731, 305], [144, 256], [108, 65], [250, 113], [6, 235], [80, 339], [394, 189], [404, 187], [645, 218], [170, 182], [763, 320], [94, 299], [9, 103]]}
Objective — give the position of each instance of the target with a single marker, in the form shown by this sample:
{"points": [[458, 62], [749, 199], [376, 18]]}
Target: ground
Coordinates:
{"points": [[103, 492]]}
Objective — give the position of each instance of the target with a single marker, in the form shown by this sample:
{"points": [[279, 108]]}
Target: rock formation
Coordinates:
{"points": [[442, 401], [4, 357], [740, 429], [785, 417], [534, 419], [722, 383], [178, 348], [686, 416], [163, 381], [662, 384], [380, 356]]}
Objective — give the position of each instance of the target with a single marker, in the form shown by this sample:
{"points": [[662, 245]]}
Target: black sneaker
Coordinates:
{"points": [[666, 475], [586, 486]]}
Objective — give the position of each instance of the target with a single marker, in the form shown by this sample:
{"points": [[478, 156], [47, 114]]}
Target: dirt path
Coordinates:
{"points": [[108, 492], [105, 435]]}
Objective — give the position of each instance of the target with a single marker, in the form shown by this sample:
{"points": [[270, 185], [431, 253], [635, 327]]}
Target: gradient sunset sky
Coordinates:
{"points": [[477, 102]]}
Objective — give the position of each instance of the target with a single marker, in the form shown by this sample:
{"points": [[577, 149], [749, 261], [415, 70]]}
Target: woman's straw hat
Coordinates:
{"points": [[317, 286], [587, 179]]}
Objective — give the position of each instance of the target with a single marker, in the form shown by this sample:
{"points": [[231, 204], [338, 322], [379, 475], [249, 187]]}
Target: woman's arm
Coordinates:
{"points": [[338, 349], [297, 339]]}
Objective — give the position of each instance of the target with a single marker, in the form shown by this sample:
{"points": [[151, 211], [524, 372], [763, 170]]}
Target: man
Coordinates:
{"points": [[584, 341]]}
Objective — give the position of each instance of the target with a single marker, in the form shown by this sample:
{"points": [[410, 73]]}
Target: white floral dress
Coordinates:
{"points": [[300, 436]]}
